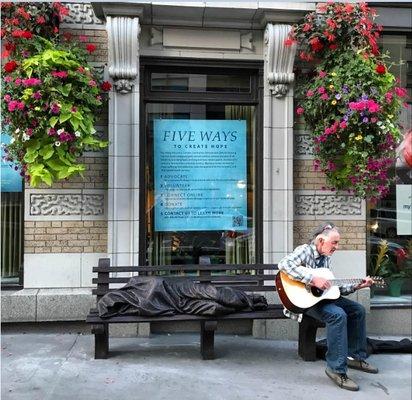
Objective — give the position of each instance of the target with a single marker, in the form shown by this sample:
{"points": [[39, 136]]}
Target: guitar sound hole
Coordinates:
{"points": [[316, 291]]}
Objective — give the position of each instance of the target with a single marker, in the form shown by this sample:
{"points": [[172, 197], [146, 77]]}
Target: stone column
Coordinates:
{"points": [[278, 144], [123, 195]]}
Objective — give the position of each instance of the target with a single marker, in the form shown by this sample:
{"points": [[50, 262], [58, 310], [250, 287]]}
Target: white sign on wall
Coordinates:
{"points": [[404, 209]]}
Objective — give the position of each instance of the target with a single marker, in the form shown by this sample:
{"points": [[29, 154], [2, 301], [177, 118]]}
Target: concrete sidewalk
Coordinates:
{"points": [[41, 366]]}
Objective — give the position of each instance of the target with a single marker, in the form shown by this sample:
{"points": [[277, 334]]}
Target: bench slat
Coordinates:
{"points": [[249, 288], [183, 267], [204, 278], [273, 312]]}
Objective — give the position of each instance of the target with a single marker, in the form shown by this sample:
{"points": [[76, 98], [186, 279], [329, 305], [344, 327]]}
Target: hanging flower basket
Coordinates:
{"points": [[51, 95], [352, 103]]}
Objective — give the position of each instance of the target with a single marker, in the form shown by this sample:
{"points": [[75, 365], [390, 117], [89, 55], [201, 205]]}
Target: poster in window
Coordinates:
{"points": [[404, 186], [200, 175], [11, 181]]}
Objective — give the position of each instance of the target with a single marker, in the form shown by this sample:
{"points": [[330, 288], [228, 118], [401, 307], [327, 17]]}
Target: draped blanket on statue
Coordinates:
{"points": [[151, 296]]}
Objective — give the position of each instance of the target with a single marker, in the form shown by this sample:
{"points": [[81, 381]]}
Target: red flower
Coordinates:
{"points": [[10, 66], [10, 46], [333, 46], [106, 86], [90, 48], [27, 35], [380, 69], [67, 36], [23, 13], [316, 44], [288, 42], [401, 255], [349, 8], [41, 20], [306, 27], [300, 110], [5, 54]]}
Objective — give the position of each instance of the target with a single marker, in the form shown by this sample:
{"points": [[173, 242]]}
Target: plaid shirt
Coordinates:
{"points": [[307, 256]]}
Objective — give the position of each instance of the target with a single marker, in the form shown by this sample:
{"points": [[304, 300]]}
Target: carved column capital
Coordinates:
{"points": [[123, 36], [279, 59]]}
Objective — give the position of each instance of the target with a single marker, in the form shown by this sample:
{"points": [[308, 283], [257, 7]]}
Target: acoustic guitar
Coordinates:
{"points": [[297, 297]]}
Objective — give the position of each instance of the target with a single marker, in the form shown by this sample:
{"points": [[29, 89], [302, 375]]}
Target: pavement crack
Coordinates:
{"points": [[380, 386], [71, 348]]}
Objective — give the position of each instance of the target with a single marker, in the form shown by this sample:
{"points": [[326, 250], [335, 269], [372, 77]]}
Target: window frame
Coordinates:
{"points": [[252, 68]]}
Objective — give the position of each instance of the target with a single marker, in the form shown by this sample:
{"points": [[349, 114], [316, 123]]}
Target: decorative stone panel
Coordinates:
{"points": [[316, 205], [65, 204], [83, 15], [302, 146]]}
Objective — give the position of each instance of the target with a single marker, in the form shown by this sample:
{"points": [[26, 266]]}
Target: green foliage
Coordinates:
{"points": [[352, 102], [60, 106]]}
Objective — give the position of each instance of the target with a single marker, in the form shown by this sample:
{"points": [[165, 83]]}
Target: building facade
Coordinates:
{"points": [[211, 69]]}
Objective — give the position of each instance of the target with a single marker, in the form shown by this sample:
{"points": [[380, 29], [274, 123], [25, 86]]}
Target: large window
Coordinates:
{"points": [[200, 176], [11, 219], [390, 219]]}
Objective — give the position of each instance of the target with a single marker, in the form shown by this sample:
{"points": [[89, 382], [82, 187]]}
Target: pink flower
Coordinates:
{"points": [[310, 93], [83, 38], [331, 166], [7, 98], [29, 132], [400, 92], [55, 108], [324, 96], [300, 110], [14, 104], [373, 107], [92, 83], [343, 125], [36, 95], [51, 132], [389, 97], [17, 82], [31, 82], [322, 74], [8, 79], [373, 119], [321, 90], [60, 74]]}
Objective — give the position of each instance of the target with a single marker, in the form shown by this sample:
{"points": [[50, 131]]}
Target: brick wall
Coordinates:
{"points": [[353, 233], [98, 37], [304, 177], [65, 237]]}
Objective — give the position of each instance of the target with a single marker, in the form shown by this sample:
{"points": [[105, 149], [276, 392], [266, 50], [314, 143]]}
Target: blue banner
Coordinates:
{"points": [[200, 175], [11, 181]]}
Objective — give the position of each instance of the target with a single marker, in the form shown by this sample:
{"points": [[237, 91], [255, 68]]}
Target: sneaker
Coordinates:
{"points": [[342, 380], [362, 365]]}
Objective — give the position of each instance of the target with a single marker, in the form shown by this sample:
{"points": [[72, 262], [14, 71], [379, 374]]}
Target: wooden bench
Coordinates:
{"points": [[249, 278]]}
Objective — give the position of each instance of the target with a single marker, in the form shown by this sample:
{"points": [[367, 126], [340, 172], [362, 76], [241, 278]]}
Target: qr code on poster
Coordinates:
{"points": [[237, 220]]}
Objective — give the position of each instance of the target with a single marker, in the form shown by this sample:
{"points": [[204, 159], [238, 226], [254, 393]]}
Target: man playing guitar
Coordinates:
{"points": [[344, 318]]}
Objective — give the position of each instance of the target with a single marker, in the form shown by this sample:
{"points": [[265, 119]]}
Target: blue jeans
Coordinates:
{"points": [[345, 331]]}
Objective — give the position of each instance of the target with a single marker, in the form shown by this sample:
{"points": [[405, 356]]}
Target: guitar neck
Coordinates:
{"points": [[341, 282]]}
